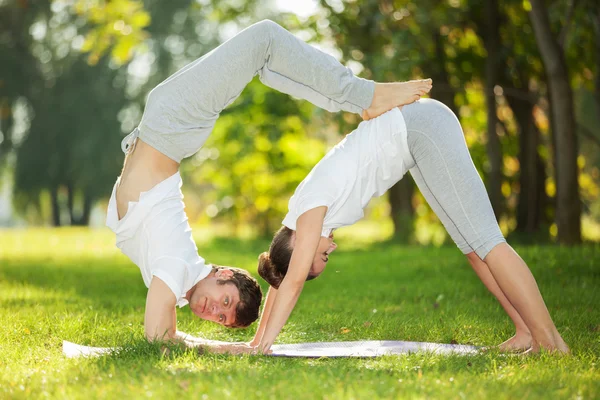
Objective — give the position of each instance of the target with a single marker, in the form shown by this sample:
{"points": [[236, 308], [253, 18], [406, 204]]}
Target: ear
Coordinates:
{"points": [[224, 274]]}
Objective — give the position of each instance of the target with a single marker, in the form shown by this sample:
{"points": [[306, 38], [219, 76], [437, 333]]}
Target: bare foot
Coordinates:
{"points": [[390, 95], [519, 342], [558, 346]]}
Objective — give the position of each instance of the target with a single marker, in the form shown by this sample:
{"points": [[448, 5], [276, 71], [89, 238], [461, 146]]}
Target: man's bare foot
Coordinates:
{"points": [[519, 342], [390, 95]]}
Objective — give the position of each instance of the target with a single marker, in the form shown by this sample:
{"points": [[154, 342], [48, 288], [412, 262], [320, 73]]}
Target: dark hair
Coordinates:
{"points": [[246, 312], [273, 266]]}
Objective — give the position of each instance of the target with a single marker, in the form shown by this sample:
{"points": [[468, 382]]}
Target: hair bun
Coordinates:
{"points": [[267, 270]]}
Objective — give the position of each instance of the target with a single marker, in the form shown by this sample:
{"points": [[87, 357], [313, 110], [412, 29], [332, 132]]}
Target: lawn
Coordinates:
{"points": [[73, 284]]}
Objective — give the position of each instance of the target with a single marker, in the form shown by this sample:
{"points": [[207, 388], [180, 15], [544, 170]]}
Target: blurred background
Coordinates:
{"points": [[522, 75]]}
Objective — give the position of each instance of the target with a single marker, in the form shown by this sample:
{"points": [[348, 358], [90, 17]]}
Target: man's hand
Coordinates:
{"points": [[231, 348]]}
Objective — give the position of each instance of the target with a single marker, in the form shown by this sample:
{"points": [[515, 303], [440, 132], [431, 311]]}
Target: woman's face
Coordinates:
{"points": [[326, 247]]}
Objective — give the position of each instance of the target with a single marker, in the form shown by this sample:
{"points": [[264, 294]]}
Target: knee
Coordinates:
{"points": [[429, 114], [266, 27], [473, 258], [435, 107]]}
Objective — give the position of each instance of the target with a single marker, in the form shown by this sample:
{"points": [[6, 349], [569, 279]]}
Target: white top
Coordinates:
{"points": [[364, 165], [156, 236]]}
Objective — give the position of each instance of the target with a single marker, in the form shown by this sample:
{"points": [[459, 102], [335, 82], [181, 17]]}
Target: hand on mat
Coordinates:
{"points": [[232, 348]]}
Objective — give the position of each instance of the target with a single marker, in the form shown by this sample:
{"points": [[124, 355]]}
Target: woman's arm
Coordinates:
{"points": [[308, 234], [262, 324]]}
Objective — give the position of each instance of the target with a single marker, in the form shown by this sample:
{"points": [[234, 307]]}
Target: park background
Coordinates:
{"points": [[75, 74], [523, 76]]}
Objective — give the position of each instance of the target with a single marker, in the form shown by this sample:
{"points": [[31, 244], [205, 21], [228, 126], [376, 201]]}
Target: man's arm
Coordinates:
{"points": [[160, 323], [160, 318]]}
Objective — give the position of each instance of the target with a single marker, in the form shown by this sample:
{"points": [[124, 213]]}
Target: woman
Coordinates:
{"points": [[146, 210], [426, 138]]}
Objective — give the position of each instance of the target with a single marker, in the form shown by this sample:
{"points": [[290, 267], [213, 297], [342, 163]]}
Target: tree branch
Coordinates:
{"points": [[588, 133], [562, 36], [520, 94]]}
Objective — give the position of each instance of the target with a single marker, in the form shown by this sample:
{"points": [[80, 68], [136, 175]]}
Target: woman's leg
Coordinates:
{"points": [[445, 173], [519, 285], [522, 338]]}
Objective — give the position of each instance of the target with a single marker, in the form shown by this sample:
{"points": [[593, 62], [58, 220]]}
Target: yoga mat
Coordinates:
{"points": [[367, 348]]}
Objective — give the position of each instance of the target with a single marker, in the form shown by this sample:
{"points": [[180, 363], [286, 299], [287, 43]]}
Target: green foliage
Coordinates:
{"points": [[116, 24], [73, 284], [257, 154], [67, 65]]}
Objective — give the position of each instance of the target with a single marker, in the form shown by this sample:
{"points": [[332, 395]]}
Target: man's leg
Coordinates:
{"points": [[283, 62]]}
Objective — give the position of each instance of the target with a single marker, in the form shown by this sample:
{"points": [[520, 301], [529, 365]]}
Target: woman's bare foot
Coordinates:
{"points": [[556, 345], [519, 342], [390, 95]]}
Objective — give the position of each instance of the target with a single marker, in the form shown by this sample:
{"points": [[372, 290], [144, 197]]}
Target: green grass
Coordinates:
{"points": [[74, 285]]}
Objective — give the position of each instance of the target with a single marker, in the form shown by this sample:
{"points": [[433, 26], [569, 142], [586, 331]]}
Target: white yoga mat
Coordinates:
{"points": [[367, 348]]}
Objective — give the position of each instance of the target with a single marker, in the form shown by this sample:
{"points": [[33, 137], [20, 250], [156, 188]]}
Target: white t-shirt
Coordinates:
{"points": [[365, 164], [156, 236]]}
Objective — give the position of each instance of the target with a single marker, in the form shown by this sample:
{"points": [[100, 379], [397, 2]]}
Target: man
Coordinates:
{"points": [[146, 210]]}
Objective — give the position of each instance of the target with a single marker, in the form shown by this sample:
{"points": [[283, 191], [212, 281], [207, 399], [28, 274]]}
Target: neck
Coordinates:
{"points": [[188, 295]]}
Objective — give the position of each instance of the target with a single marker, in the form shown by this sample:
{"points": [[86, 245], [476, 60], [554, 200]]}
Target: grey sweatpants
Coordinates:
{"points": [[447, 178], [180, 113]]}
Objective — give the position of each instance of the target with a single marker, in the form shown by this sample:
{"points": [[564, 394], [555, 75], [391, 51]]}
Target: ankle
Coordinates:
{"points": [[524, 333]]}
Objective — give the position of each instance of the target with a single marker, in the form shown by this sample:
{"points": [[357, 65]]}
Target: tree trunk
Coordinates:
{"points": [[493, 146], [441, 90], [6, 124], [55, 206], [568, 204], [596, 22], [530, 207], [87, 210], [70, 203], [400, 198]]}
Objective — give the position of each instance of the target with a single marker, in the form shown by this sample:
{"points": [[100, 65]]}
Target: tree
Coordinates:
{"points": [[568, 203], [491, 39]]}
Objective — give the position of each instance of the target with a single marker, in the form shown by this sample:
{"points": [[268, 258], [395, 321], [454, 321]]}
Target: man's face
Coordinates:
{"points": [[214, 301]]}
